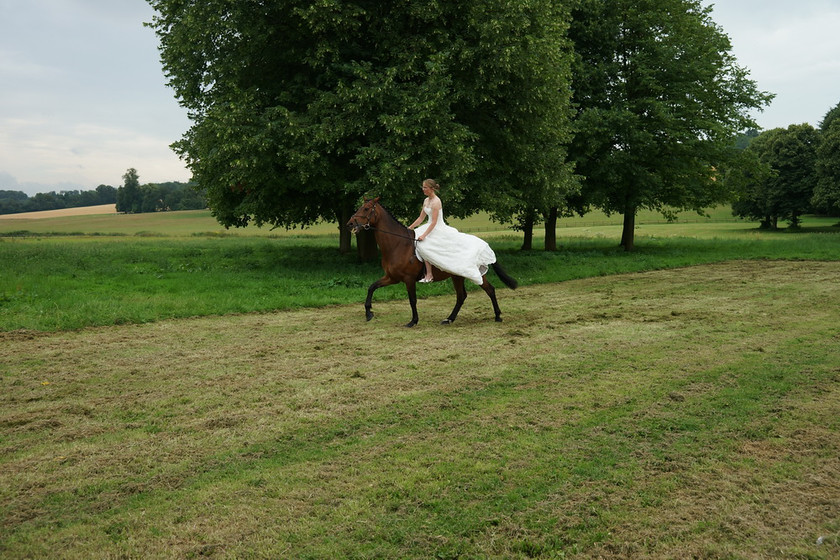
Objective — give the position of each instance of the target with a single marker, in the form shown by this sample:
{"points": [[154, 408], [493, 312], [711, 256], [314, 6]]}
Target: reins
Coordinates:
{"points": [[368, 226]]}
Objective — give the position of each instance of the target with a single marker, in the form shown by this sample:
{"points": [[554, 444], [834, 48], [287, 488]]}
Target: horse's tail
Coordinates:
{"points": [[509, 281]]}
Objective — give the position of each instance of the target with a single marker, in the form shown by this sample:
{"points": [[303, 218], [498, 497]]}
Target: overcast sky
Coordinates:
{"points": [[83, 97]]}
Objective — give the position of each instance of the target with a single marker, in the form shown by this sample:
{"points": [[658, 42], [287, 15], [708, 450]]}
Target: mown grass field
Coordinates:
{"points": [[69, 273], [680, 402]]}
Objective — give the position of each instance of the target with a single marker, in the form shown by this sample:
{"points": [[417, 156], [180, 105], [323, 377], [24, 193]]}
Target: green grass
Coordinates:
{"points": [[167, 391], [170, 269], [60, 283], [201, 222], [662, 415]]}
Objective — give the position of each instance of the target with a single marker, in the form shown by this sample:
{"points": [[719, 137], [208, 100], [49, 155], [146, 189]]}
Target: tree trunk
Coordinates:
{"points": [[528, 233], [629, 230], [551, 230], [366, 245], [345, 238]]}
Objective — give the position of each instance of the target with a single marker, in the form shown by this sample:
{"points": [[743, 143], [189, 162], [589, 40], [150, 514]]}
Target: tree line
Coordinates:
{"points": [[530, 110], [131, 197], [799, 174], [134, 198], [15, 202]]}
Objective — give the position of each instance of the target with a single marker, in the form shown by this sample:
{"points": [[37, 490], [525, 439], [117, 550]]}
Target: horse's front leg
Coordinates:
{"points": [[384, 281], [411, 288]]}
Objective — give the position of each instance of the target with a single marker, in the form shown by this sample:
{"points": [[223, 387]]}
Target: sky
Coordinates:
{"points": [[83, 97]]}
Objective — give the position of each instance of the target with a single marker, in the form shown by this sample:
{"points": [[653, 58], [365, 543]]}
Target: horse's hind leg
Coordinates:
{"points": [[491, 292], [460, 298], [411, 288]]}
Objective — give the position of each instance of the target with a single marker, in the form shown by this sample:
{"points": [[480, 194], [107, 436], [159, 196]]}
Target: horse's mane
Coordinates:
{"points": [[391, 215]]}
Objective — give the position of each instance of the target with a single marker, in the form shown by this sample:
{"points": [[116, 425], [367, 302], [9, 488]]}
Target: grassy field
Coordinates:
{"points": [[690, 413], [79, 271], [201, 223], [171, 392]]}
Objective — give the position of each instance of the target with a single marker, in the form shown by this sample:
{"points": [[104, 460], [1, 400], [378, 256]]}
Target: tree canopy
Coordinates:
{"points": [[13, 202], [134, 198], [299, 108], [129, 199], [826, 196], [659, 100], [785, 192]]}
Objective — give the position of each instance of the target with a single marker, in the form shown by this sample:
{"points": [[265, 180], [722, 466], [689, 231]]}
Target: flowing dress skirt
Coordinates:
{"points": [[458, 253]]}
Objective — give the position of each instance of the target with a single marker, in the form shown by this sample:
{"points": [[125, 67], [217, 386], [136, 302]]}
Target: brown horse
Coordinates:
{"points": [[396, 242]]}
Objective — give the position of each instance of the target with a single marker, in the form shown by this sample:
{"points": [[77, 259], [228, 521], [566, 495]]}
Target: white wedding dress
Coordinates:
{"points": [[448, 249]]}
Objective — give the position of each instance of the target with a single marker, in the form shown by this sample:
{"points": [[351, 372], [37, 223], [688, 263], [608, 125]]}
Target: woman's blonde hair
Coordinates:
{"points": [[431, 183]]}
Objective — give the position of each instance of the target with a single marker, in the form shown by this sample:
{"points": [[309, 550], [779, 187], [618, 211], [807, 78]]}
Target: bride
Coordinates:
{"points": [[444, 246]]}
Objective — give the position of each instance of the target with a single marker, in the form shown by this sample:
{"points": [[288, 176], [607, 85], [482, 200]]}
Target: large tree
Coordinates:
{"points": [[517, 103], [129, 197], [298, 108], [826, 197], [785, 193], [659, 100]]}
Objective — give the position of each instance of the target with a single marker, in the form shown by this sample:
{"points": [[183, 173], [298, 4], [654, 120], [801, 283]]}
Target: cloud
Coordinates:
{"points": [[790, 50], [77, 152], [10, 183], [15, 66], [84, 96]]}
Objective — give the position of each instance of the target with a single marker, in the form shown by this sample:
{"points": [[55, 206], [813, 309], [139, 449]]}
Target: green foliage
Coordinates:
{"points": [[134, 198], [13, 195], [520, 114], [299, 108], [830, 118], [826, 197], [785, 192], [659, 100], [743, 140], [157, 197], [14, 202], [129, 196]]}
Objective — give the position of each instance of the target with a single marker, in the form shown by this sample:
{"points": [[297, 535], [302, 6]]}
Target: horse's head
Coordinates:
{"points": [[365, 217]]}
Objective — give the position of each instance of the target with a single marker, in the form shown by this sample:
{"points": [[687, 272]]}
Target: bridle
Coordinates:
{"points": [[368, 227], [370, 213]]}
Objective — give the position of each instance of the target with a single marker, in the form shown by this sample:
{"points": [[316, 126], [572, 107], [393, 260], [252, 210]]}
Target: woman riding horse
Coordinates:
{"points": [[400, 263]]}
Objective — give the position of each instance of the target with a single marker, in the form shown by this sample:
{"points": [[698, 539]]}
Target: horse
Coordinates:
{"points": [[400, 263]]}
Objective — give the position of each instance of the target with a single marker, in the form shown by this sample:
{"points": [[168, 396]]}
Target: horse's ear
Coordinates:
{"points": [[375, 200]]}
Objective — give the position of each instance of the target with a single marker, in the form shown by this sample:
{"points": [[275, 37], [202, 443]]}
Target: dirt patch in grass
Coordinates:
{"points": [[682, 413]]}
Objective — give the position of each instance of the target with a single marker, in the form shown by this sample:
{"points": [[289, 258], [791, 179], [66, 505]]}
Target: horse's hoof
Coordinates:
{"points": [[368, 316], [410, 324], [446, 322], [498, 319]]}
